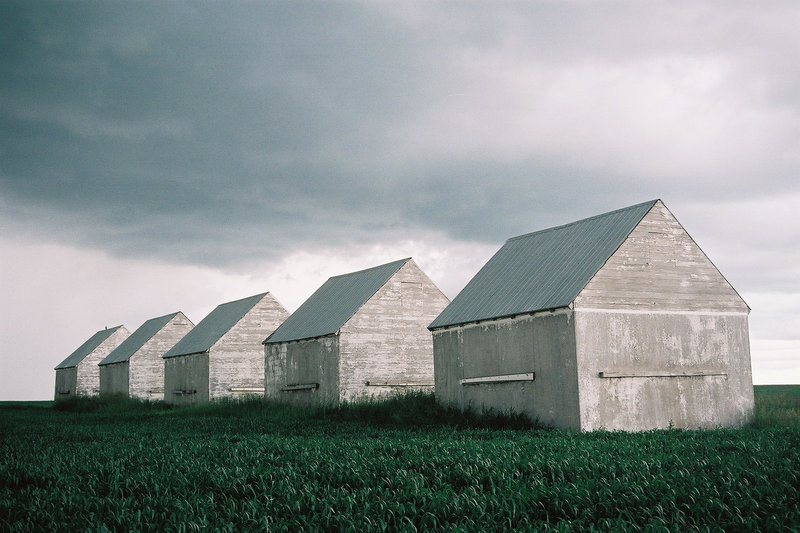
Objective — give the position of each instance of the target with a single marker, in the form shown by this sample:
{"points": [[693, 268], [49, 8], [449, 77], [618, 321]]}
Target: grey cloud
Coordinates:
{"points": [[216, 133]]}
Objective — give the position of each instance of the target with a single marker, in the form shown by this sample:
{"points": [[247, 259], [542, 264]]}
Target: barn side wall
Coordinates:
{"points": [[114, 379], [543, 343], [147, 365], [386, 346], [236, 363], [186, 379], [309, 362], [88, 376], [686, 370], [66, 378]]}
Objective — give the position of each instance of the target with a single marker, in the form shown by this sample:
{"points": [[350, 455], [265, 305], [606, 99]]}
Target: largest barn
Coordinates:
{"points": [[619, 321]]}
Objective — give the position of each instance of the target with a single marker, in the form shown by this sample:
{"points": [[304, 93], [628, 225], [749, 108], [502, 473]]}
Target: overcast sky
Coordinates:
{"points": [[157, 157]]}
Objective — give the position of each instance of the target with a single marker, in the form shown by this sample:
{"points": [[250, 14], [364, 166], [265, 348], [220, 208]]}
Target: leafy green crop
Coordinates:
{"points": [[258, 466]]}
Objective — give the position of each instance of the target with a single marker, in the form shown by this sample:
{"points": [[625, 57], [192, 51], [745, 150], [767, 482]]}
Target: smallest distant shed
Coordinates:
{"points": [[78, 374], [135, 368]]}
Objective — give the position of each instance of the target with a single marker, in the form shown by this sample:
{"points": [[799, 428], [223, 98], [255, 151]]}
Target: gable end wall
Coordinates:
{"points": [[237, 359], [387, 339], [661, 316], [146, 376], [88, 373]]}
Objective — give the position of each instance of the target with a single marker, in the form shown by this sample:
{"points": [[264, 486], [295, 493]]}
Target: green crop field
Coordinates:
{"points": [[405, 464]]}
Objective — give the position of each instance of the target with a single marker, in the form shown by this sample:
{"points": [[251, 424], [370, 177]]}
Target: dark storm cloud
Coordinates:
{"points": [[218, 132]]}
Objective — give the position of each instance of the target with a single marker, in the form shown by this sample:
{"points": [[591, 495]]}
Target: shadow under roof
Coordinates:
{"points": [[542, 270]]}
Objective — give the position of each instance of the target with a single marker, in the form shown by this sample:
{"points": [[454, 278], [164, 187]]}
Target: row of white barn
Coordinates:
{"points": [[618, 321]]}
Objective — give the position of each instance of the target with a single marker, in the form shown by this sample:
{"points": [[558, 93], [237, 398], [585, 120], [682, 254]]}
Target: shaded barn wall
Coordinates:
{"points": [[147, 366], [686, 370], [236, 362], [66, 378], [659, 306], [114, 379], [88, 376], [543, 343], [308, 362], [387, 343], [186, 379]]}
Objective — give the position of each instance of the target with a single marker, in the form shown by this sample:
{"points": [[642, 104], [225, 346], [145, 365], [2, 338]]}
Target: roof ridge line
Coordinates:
{"points": [[405, 260], [581, 221]]}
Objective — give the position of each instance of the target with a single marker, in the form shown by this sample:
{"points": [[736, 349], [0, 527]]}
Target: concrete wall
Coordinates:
{"points": [[66, 378], [146, 379], [88, 374], [387, 343], [114, 378], [186, 379], [659, 308], [542, 343], [314, 361], [237, 358], [689, 370]]}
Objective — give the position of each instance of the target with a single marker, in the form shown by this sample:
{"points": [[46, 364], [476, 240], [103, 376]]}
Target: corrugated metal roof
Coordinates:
{"points": [[332, 305], [542, 270], [214, 326], [136, 340], [87, 347]]}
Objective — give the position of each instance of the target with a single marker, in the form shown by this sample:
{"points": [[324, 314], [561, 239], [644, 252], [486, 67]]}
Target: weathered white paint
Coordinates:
{"points": [[384, 347], [142, 376], [657, 338], [84, 378], [233, 367]]}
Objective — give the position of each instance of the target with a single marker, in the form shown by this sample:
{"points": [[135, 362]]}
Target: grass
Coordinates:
{"points": [[777, 405], [404, 464]]}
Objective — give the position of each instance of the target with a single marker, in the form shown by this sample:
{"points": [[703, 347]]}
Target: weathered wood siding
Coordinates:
{"points": [[542, 344], [387, 343], [686, 370], [146, 379], [660, 316], [66, 378], [114, 379], [311, 363], [659, 267], [87, 381], [186, 379], [237, 358]]}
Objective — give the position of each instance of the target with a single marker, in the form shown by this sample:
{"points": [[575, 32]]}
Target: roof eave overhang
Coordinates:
{"points": [[501, 317], [334, 334], [184, 354]]}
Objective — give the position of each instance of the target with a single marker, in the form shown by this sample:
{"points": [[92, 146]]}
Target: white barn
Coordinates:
{"points": [[135, 368], [78, 374], [618, 321], [222, 357], [362, 334]]}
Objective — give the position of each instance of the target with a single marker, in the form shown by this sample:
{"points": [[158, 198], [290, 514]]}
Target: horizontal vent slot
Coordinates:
{"points": [[300, 387], [661, 374], [504, 378]]}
